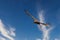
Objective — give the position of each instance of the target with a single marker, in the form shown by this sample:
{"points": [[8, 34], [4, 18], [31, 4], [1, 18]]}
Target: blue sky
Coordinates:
{"points": [[12, 13]]}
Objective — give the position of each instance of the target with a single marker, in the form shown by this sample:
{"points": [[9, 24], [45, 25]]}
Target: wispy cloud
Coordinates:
{"points": [[57, 39], [5, 32], [38, 39], [1, 38], [42, 27], [12, 31]]}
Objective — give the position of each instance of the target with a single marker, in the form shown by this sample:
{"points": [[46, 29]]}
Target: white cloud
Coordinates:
{"points": [[1, 38], [5, 32], [43, 27], [12, 31], [57, 39], [38, 39]]}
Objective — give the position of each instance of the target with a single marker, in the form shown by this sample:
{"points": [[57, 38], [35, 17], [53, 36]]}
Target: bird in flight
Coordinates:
{"points": [[35, 20]]}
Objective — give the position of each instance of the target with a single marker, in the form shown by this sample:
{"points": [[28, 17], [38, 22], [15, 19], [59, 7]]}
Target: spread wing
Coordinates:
{"points": [[29, 14]]}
